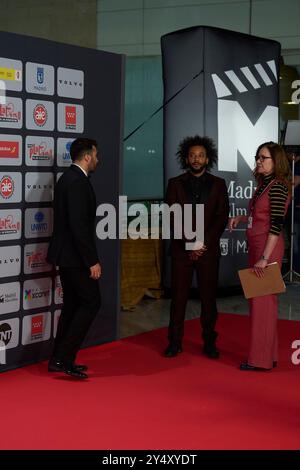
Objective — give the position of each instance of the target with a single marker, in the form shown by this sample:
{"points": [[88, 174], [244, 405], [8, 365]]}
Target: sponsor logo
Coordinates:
{"points": [[9, 333], [6, 187], [10, 187], [40, 115], [37, 293], [40, 75], [9, 297], [37, 326], [63, 151], [224, 246], [70, 83], [39, 78], [5, 333], [27, 294], [39, 151], [6, 298], [10, 224], [39, 187], [70, 117], [9, 149], [11, 73], [10, 114], [35, 258], [39, 225], [10, 258], [38, 222]]}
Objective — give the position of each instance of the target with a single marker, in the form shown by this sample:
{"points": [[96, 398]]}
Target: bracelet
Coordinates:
{"points": [[264, 258]]}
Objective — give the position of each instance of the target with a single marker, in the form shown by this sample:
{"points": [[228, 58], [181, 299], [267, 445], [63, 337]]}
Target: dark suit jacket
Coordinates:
{"points": [[73, 239], [214, 196]]}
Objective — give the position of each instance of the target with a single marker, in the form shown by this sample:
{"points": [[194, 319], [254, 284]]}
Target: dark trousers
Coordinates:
{"points": [[81, 302], [207, 270]]}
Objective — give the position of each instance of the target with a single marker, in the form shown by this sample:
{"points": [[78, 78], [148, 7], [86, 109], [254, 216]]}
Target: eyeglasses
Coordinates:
{"points": [[261, 158]]}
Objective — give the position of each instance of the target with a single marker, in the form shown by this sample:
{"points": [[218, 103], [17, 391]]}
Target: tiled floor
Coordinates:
{"points": [[150, 314]]}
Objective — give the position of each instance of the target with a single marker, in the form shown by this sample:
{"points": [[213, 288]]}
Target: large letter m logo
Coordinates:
{"points": [[237, 133]]}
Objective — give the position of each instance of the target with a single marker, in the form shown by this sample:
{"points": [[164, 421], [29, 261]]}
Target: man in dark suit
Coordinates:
{"points": [[73, 249], [196, 186]]}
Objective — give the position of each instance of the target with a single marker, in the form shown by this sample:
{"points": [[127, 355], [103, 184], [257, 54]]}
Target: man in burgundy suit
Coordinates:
{"points": [[197, 186]]}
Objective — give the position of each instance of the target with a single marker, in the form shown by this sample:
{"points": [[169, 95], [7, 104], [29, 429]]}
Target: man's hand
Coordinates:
{"points": [[95, 271], [195, 254]]}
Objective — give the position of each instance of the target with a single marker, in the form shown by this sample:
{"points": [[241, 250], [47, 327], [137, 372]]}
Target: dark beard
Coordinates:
{"points": [[197, 171]]}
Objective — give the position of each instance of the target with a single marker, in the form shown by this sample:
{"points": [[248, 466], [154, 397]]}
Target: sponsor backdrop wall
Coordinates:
{"points": [[51, 93], [233, 100]]}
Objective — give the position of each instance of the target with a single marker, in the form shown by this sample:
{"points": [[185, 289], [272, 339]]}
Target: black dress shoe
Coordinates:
{"points": [[81, 367], [211, 351], [246, 366], [74, 372], [55, 365], [172, 350]]}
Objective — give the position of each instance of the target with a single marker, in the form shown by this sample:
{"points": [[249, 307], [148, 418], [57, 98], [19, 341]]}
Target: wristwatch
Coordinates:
{"points": [[264, 258]]}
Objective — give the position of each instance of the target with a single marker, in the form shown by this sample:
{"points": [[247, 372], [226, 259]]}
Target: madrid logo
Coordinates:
{"points": [[40, 115], [6, 187]]}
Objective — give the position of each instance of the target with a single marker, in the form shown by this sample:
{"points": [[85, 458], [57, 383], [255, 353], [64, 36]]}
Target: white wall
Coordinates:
{"points": [[134, 27]]}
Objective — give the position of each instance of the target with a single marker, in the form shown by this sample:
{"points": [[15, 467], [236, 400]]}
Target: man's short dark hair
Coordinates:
{"points": [[188, 142], [80, 147]]}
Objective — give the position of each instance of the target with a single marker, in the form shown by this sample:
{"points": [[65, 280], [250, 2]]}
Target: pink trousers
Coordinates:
{"points": [[264, 310]]}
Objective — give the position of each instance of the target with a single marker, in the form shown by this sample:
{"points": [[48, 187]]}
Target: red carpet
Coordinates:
{"points": [[137, 399]]}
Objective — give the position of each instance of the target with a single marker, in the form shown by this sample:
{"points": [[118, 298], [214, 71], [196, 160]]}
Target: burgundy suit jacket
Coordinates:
{"points": [[214, 196]]}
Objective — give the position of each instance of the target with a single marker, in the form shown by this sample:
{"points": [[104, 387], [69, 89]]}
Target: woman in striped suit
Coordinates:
{"points": [[265, 220]]}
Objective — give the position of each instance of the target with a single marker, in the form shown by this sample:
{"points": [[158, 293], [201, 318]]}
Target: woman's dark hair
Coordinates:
{"points": [[188, 142], [80, 147], [282, 169]]}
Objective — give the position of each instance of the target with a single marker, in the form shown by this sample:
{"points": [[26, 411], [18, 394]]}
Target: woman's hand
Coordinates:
{"points": [[234, 222], [259, 267]]}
